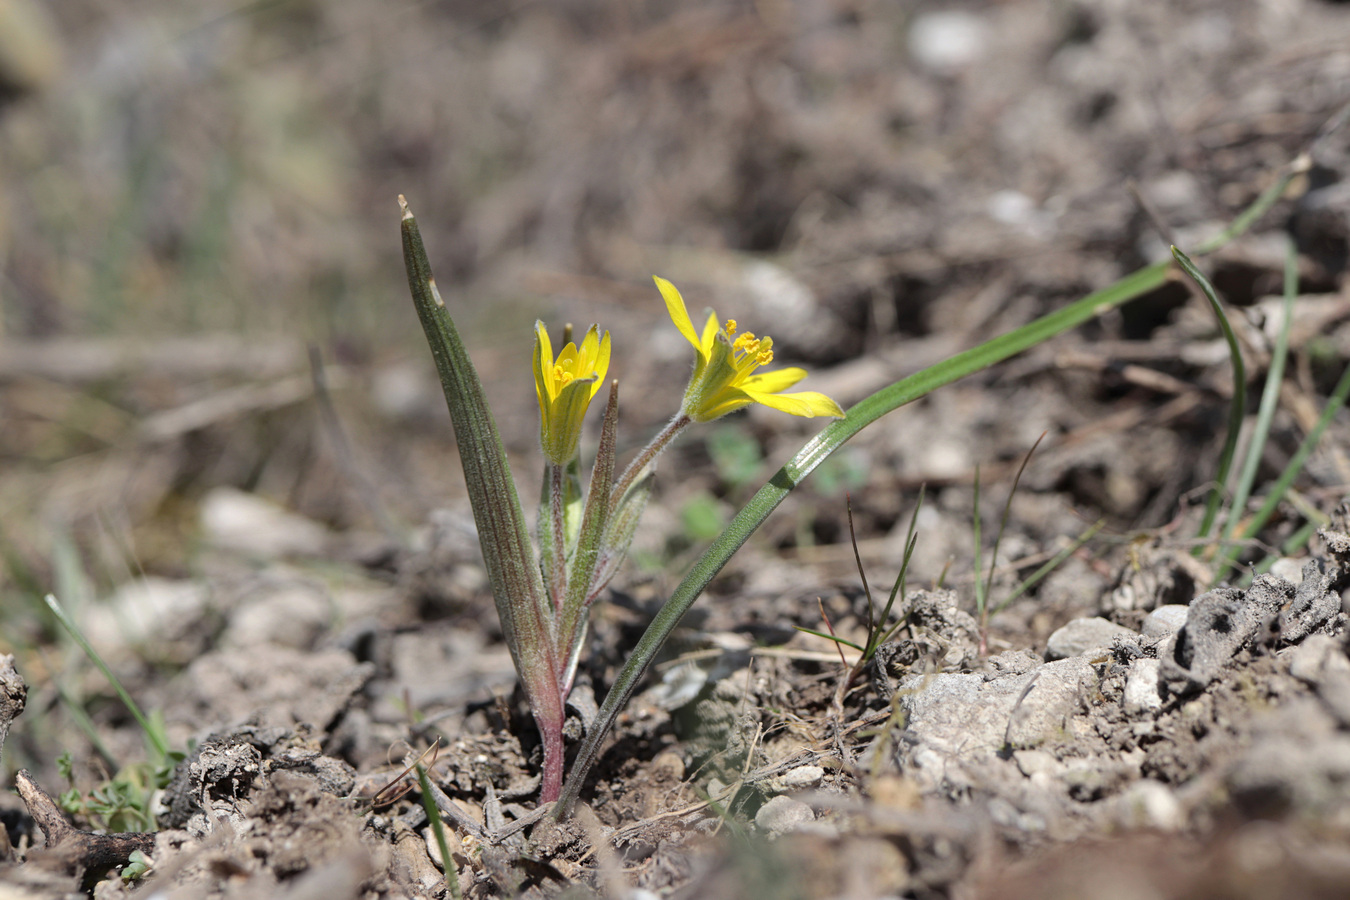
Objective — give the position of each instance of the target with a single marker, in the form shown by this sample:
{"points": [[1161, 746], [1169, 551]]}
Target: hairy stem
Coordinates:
{"points": [[557, 574], [552, 733], [649, 453]]}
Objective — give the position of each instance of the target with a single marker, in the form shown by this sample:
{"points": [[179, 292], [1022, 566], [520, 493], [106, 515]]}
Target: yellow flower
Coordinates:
{"points": [[724, 376], [565, 387]]}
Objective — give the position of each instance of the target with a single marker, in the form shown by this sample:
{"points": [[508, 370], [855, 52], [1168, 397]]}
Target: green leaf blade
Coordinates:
{"points": [[513, 571]]}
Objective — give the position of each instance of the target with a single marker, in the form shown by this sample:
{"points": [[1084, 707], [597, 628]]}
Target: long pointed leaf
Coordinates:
{"points": [[1270, 400], [1237, 409], [517, 585], [593, 521]]}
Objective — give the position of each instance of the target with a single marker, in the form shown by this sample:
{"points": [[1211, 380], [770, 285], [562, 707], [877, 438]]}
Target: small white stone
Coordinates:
{"points": [[1165, 620], [247, 524], [1031, 762], [802, 777], [947, 40], [1141, 686], [1149, 804], [783, 814]]}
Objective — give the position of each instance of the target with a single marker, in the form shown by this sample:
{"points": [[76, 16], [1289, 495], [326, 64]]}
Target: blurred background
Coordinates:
{"points": [[194, 194]]}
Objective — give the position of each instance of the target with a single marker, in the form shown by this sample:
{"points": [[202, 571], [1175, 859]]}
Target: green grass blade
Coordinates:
{"points": [[153, 736], [587, 554], [1299, 539], [977, 525], [878, 637], [899, 587], [1054, 563], [1237, 409], [1299, 459], [829, 637], [1003, 522], [816, 451], [1259, 207], [438, 829], [1270, 399], [857, 558]]}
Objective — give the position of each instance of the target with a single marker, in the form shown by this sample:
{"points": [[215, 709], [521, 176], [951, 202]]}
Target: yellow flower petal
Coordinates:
{"points": [[600, 365], [565, 386], [710, 329], [775, 381], [543, 363], [806, 404], [678, 314]]}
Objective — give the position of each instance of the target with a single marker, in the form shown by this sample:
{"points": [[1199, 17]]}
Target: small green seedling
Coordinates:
{"points": [[125, 801], [138, 866]]}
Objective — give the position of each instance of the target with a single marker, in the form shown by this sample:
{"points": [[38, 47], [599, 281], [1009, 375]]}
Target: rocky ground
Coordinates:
{"points": [[272, 549]]}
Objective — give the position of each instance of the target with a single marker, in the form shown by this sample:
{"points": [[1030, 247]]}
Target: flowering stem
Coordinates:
{"points": [[557, 574], [649, 453], [550, 731]]}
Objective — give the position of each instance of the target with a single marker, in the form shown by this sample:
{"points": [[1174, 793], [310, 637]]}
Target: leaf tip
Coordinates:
{"points": [[403, 205]]}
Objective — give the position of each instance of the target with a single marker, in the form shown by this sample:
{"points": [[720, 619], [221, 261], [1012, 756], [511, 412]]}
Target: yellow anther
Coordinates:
{"points": [[563, 377], [764, 357], [746, 343], [730, 327]]}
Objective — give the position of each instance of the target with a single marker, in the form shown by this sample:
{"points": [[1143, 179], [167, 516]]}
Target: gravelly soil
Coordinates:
{"points": [[307, 607]]}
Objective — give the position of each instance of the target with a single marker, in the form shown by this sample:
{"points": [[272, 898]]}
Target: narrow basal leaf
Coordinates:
{"points": [[517, 586], [572, 626], [1237, 407]]}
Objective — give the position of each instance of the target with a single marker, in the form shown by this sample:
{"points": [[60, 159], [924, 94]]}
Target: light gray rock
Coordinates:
{"points": [[1083, 635], [1291, 570], [1165, 620], [947, 40], [1316, 658], [1221, 622], [783, 814], [1315, 603], [802, 777], [1141, 686], [1149, 804], [966, 714], [1037, 762], [155, 616], [1321, 662], [249, 525]]}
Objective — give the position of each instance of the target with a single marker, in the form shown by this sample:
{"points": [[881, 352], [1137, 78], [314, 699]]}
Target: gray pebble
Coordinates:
{"points": [[802, 777], [1291, 570], [783, 814], [1165, 620], [1082, 635]]}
